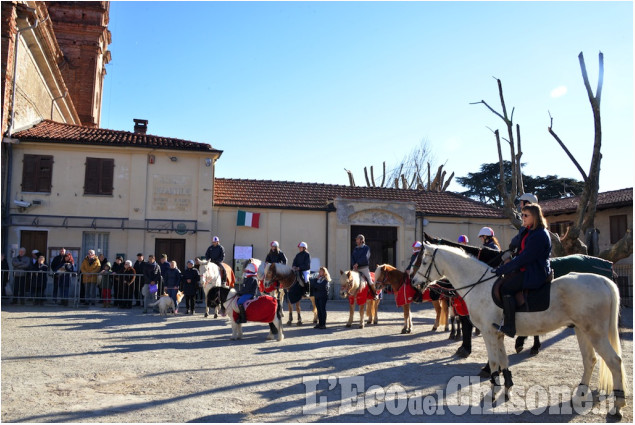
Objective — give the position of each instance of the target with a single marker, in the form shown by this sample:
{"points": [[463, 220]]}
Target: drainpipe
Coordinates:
{"points": [[55, 99]]}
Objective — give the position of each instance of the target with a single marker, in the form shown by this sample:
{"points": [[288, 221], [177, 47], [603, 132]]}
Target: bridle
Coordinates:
{"points": [[470, 286]]}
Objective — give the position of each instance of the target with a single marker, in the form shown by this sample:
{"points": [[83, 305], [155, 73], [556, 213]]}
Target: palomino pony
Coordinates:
{"points": [[287, 279], [273, 313], [356, 290], [215, 293], [589, 302], [406, 293]]}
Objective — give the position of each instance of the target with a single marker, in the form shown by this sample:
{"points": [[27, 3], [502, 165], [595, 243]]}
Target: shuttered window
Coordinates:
{"points": [[99, 176], [618, 225], [37, 171]]}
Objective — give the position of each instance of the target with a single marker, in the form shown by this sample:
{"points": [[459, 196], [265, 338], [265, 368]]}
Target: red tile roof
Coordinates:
{"points": [[54, 132], [315, 196], [612, 199]]}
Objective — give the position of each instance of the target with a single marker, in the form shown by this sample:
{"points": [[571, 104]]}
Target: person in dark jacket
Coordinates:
{"points": [[360, 262], [164, 264], [216, 254], [189, 285], [139, 266], [248, 290], [529, 269], [39, 281], [172, 281], [302, 264], [129, 282], [117, 271], [66, 272], [56, 264], [320, 287], [489, 240], [21, 264], [151, 276], [526, 198], [275, 256], [416, 248]]}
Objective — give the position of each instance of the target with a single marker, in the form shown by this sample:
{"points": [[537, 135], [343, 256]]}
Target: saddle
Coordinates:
{"points": [[534, 300], [261, 309]]}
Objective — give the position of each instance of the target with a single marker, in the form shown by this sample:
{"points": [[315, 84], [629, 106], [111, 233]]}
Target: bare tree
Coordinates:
{"points": [[584, 224]]}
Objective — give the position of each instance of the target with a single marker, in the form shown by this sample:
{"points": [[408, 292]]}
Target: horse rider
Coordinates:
{"points": [[275, 255], [463, 240], [360, 259], [248, 290], [416, 248], [530, 269], [524, 199], [302, 264], [489, 240], [216, 254]]}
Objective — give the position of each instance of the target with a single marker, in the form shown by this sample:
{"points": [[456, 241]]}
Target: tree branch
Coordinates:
{"points": [[569, 154]]}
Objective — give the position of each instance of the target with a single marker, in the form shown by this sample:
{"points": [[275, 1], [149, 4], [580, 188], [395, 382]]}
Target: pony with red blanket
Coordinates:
{"points": [[406, 293], [356, 290], [263, 309], [284, 277]]}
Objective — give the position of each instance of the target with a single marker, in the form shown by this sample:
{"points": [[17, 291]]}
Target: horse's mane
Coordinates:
{"points": [[283, 269]]}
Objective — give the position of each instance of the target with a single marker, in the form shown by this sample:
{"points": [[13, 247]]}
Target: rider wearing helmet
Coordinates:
{"points": [[248, 290], [489, 240], [275, 255], [416, 248], [302, 264], [463, 239], [216, 254], [360, 262]]}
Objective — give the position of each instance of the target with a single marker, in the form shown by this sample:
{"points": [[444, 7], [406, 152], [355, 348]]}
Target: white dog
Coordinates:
{"points": [[166, 302]]}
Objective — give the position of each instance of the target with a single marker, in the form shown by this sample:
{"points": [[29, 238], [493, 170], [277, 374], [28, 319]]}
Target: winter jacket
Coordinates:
{"points": [[215, 253], [20, 264], [360, 256], [152, 273], [302, 261], [249, 286], [534, 258], [172, 278], [89, 269], [276, 257], [319, 287], [190, 288]]}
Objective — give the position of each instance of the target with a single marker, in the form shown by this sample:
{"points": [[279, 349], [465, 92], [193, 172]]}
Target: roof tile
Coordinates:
{"points": [[611, 199]]}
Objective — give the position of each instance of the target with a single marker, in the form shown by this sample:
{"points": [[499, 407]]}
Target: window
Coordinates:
{"points": [[618, 227], [560, 227], [99, 242], [36, 173], [99, 176]]}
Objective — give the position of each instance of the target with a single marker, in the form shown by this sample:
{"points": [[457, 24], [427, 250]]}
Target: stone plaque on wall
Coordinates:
{"points": [[171, 193]]}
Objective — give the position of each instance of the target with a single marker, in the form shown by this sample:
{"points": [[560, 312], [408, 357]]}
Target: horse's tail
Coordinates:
{"points": [[443, 318], [605, 376]]}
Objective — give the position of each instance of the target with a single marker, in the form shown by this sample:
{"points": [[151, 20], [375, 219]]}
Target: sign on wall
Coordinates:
{"points": [[171, 192]]}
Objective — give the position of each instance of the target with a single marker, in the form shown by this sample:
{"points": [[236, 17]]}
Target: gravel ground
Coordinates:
{"points": [[109, 365]]}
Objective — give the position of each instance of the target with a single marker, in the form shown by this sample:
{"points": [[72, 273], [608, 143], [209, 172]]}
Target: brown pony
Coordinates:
{"points": [[286, 277], [387, 275], [355, 289]]}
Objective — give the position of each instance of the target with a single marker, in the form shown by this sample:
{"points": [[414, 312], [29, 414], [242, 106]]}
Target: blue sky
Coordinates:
{"points": [[299, 91]]}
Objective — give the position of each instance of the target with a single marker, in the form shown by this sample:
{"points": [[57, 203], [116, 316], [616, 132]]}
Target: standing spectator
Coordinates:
{"points": [[5, 274], [118, 289], [56, 264], [302, 264], [172, 281], [129, 282], [189, 286], [139, 266], [102, 260], [151, 276], [64, 273], [360, 262], [275, 256], [216, 254], [21, 263], [321, 292], [164, 265], [90, 267], [489, 240], [39, 281], [106, 285], [32, 276], [416, 248]]}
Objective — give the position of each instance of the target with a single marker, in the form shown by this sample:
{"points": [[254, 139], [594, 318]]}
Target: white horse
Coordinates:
{"points": [[231, 305], [352, 285], [590, 302]]}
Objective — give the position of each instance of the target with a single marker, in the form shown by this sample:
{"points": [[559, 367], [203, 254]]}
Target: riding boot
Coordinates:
{"points": [[509, 312], [242, 315], [371, 289]]}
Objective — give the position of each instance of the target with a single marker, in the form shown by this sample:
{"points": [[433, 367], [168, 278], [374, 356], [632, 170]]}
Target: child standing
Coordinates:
{"points": [[106, 283]]}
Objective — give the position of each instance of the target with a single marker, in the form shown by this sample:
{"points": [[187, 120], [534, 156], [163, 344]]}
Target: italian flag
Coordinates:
{"points": [[248, 219]]}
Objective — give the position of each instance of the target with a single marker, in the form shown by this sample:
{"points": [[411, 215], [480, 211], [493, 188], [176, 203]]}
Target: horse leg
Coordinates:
{"points": [[588, 361], [520, 343], [445, 312], [406, 317], [298, 310], [290, 321], [362, 310], [452, 330], [612, 360], [459, 327], [536, 346], [315, 316], [375, 311], [351, 312], [370, 311], [437, 309]]}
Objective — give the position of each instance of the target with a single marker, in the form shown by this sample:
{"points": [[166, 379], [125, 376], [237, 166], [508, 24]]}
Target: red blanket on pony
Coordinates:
{"points": [[362, 295], [405, 294], [261, 309], [272, 287], [459, 306]]}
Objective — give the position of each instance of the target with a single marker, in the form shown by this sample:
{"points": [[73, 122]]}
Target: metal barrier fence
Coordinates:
{"points": [[624, 282], [67, 289]]}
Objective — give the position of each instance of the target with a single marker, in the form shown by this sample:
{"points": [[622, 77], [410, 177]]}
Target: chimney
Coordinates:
{"points": [[140, 126]]}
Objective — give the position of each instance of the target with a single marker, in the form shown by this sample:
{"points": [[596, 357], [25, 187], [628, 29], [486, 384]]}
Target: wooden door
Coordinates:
{"points": [[34, 239], [175, 248], [382, 242]]}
